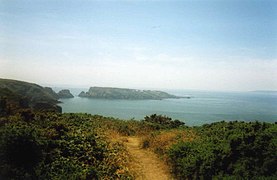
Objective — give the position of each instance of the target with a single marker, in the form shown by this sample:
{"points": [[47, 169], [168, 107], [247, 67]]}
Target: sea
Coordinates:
{"points": [[202, 108]]}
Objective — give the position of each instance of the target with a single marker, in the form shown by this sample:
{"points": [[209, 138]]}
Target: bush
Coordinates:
{"points": [[163, 122], [21, 150], [58, 146], [235, 149]]}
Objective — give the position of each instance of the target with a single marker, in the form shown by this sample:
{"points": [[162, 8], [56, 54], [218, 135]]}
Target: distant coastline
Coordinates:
{"points": [[265, 91]]}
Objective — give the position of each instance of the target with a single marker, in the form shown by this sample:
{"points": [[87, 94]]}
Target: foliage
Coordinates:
{"points": [[234, 149], [163, 122], [59, 146], [82, 146], [21, 149]]}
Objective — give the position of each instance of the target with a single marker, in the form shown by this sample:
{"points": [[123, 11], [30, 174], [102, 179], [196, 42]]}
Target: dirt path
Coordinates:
{"points": [[145, 162]]}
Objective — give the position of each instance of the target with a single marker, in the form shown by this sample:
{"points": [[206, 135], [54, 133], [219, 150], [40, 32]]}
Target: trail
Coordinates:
{"points": [[147, 165]]}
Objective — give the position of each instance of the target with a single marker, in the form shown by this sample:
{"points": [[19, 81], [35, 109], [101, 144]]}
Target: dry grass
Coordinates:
{"points": [[133, 155], [145, 164], [161, 141]]}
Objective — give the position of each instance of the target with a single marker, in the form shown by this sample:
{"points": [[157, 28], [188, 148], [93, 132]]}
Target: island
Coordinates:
{"points": [[124, 93], [65, 93]]}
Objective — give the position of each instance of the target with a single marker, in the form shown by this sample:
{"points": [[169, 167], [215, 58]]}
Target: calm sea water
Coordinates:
{"points": [[203, 107]]}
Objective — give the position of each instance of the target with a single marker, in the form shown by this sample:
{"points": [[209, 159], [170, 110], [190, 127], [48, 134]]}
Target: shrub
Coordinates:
{"points": [[235, 149], [163, 122], [59, 146], [21, 150]]}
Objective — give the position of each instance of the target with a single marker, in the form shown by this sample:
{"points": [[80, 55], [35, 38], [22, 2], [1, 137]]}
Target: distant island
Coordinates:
{"points": [[64, 93], [123, 93]]}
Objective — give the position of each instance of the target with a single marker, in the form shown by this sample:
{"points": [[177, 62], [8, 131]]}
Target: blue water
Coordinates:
{"points": [[203, 107]]}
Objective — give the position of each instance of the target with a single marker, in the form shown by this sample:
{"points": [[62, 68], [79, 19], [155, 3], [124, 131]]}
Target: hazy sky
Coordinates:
{"points": [[208, 45]]}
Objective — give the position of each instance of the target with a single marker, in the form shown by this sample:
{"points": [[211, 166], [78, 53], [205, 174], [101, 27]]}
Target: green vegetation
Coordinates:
{"points": [[59, 146], [163, 122], [223, 150], [227, 150], [121, 93], [83, 146]]}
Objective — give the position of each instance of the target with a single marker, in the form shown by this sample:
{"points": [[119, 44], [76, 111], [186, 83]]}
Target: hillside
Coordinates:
{"points": [[84, 146], [122, 93], [18, 94]]}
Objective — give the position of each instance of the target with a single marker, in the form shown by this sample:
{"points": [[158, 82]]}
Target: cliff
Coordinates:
{"points": [[16, 95]]}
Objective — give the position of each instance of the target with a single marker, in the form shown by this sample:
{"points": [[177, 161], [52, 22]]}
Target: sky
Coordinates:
{"points": [[203, 45]]}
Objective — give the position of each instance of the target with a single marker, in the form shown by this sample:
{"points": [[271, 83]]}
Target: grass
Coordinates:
{"points": [[161, 141], [84, 146]]}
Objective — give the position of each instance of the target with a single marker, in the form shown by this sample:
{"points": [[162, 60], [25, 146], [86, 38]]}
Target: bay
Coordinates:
{"points": [[204, 107]]}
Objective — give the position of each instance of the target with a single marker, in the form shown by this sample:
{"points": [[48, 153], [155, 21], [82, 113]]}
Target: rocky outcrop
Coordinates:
{"points": [[83, 94], [65, 93]]}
